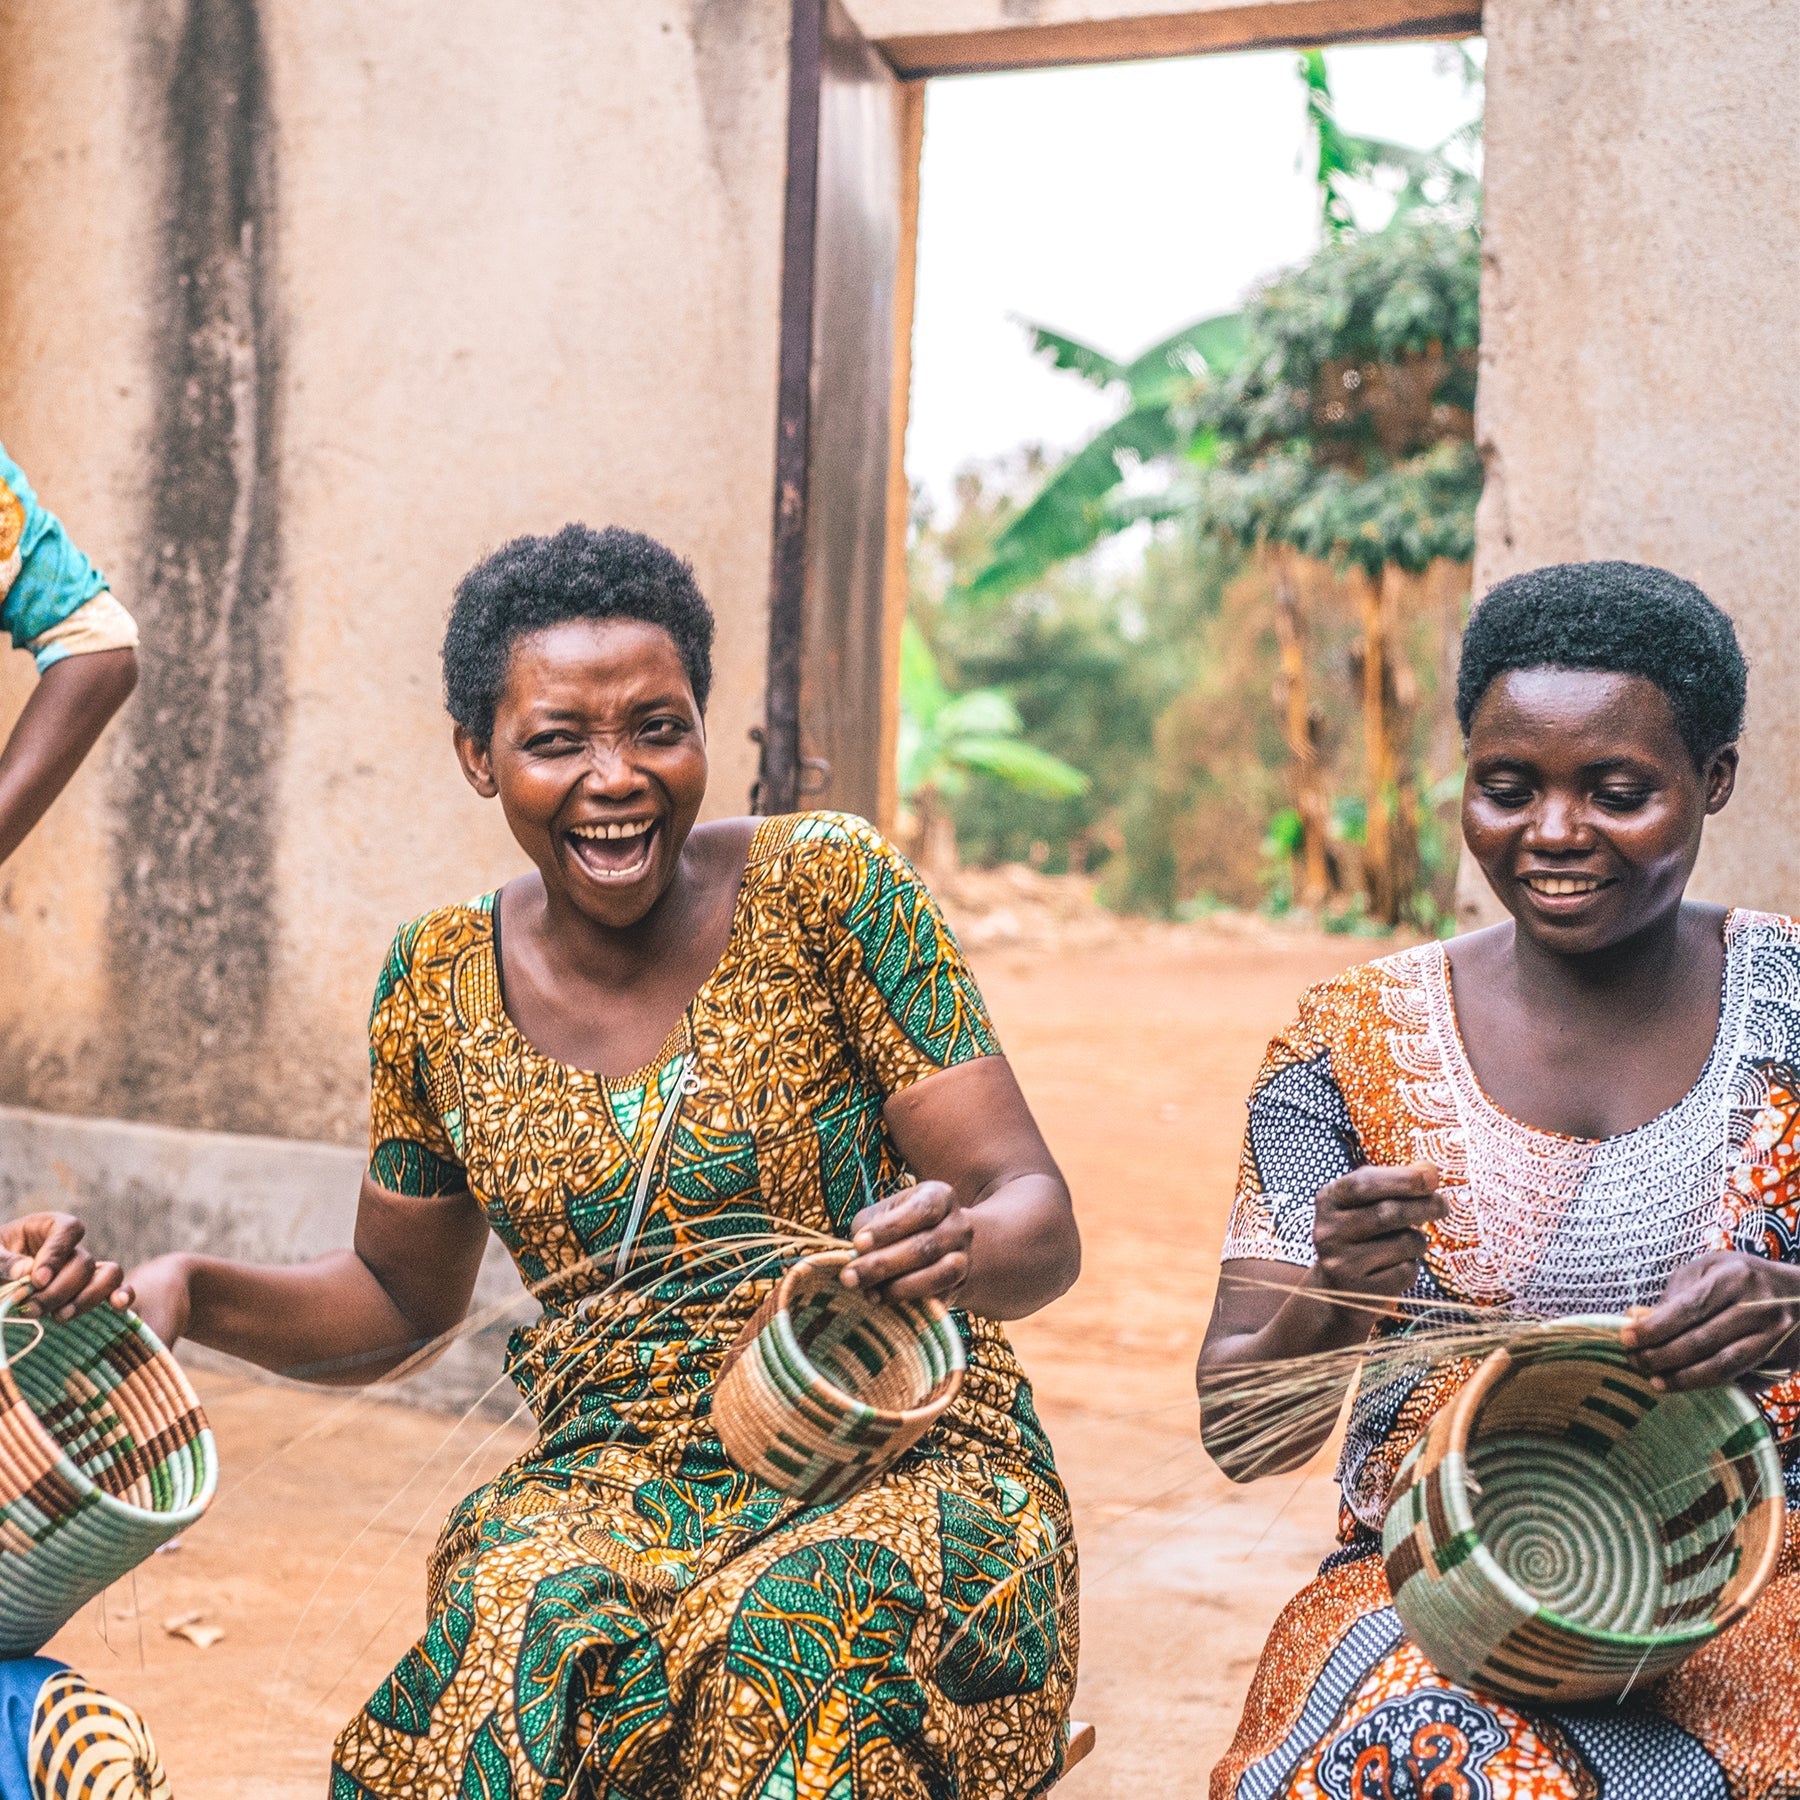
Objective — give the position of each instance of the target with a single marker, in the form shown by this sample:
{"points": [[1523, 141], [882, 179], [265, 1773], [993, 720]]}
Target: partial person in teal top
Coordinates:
{"points": [[61, 1738], [57, 605]]}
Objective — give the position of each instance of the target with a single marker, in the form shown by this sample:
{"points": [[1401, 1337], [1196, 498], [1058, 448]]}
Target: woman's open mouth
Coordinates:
{"points": [[617, 851]]}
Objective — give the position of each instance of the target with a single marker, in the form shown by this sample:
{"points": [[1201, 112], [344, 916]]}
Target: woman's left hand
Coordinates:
{"points": [[913, 1245], [1723, 1316]]}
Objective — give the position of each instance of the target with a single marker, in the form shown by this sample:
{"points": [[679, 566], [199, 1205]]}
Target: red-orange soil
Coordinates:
{"points": [[1136, 1055]]}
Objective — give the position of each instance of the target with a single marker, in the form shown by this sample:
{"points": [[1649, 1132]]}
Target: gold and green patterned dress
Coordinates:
{"points": [[622, 1613]]}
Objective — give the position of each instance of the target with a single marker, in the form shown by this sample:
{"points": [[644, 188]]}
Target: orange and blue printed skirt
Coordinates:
{"points": [[1373, 1071]]}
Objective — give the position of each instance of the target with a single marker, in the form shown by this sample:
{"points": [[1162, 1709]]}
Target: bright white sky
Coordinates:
{"points": [[1116, 204]]}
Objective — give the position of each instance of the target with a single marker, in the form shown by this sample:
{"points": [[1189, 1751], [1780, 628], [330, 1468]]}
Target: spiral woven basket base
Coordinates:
{"points": [[826, 1388], [105, 1453], [1564, 1532]]}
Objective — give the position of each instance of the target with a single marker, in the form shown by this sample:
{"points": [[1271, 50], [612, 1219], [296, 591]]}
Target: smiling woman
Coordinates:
{"points": [[1594, 1108], [665, 1049]]}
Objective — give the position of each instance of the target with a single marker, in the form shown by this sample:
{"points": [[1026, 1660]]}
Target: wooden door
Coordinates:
{"points": [[846, 318]]}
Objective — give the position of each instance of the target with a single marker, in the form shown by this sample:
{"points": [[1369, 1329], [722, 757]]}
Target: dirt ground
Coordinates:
{"points": [[1136, 1055]]}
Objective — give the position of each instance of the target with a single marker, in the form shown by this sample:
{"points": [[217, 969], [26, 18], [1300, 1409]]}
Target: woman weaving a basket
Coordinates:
{"points": [[1593, 1109], [669, 1046]]}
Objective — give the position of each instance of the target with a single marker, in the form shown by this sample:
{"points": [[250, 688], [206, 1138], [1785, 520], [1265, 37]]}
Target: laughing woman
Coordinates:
{"points": [[1593, 1107], [746, 1024]]}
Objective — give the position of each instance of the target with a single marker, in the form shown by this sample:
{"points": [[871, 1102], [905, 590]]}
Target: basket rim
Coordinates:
{"points": [[89, 1491], [1461, 1412], [808, 1274]]}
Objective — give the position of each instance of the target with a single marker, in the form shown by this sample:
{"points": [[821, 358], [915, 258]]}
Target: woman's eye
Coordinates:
{"points": [[550, 743], [1505, 793], [665, 730], [1622, 799]]}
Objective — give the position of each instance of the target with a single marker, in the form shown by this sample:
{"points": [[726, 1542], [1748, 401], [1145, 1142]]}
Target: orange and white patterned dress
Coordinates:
{"points": [[1373, 1071], [622, 1614]]}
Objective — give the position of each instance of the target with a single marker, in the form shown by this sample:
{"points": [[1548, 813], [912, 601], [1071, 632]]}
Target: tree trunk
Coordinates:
{"points": [[1300, 728], [938, 860], [1389, 694]]}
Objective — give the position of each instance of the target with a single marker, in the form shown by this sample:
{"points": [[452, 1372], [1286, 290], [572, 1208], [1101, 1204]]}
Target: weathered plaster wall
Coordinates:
{"points": [[300, 313], [1640, 325], [146, 1189], [80, 179]]}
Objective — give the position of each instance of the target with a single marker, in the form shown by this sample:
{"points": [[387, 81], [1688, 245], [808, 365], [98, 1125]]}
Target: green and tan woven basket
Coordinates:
{"points": [[826, 1387], [104, 1455], [1562, 1532]]}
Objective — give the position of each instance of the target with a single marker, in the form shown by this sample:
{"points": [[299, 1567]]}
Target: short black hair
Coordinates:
{"points": [[1620, 617], [581, 573]]}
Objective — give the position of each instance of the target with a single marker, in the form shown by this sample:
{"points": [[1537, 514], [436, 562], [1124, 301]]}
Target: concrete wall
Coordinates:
{"points": [[1640, 325], [301, 311], [145, 1189]]}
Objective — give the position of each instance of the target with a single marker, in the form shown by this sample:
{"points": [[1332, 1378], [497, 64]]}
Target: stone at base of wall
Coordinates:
{"points": [[146, 1189]]}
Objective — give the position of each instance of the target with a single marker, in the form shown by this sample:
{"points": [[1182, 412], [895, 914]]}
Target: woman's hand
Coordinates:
{"points": [[45, 1249], [1369, 1228], [164, 1297], [913, 1245], [1722, 1316]]}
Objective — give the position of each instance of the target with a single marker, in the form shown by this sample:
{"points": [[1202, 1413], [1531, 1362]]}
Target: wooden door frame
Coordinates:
{"points": [[1217, 29]]}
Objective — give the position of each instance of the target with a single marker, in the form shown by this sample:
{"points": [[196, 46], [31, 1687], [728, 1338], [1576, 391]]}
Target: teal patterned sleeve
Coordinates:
{"points": [[44, 578], [410, 1146], [906, 991]]}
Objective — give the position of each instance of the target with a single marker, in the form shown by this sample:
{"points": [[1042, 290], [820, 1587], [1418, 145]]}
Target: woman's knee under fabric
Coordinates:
{"points": [[1343, 1707], [918, 1638]]}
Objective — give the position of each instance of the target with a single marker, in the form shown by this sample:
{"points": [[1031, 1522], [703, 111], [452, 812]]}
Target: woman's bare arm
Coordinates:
{"points": [[61, 723], [990, 1226], [1368, 1236], [341, 1319]]}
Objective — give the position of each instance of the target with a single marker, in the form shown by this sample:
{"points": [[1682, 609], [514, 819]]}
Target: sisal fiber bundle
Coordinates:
{"points": [[1563, 1532], [104, 1454], [826, 1387]]}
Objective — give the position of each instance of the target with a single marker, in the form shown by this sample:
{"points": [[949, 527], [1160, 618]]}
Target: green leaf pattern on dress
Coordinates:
{"points": [[822, 1640]]}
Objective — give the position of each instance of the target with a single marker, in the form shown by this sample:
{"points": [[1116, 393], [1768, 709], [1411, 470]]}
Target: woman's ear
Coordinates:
{"points": [[1721, 778], [477, 764]]}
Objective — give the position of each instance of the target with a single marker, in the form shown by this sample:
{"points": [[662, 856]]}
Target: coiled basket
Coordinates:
{"points": [[104, 1454], [826, 1387], [1563, 1532]]}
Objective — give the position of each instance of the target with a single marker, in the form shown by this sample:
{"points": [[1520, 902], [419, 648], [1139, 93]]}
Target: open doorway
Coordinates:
{"points": [[1191, 480]]}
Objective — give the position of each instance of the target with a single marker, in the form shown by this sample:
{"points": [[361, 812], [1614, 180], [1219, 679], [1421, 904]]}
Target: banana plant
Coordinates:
{"points": [[1080, 503], [946, 738], [1168, 387]]}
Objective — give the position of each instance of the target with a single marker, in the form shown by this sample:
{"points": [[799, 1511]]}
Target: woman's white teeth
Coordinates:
{"points": [[633, 828], [1561, 884]]}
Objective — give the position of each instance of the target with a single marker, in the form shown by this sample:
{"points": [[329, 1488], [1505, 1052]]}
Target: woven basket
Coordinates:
{"points": [[104, 1454], [1562, 1532], [825, 1387]]}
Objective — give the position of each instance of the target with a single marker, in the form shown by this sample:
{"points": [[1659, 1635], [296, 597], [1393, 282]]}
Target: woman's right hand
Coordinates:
{"points": [[1369, 1228], [162, 1296], [45, 1249]]}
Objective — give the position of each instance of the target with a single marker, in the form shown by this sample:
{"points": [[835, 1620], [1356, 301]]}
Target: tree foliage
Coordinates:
{"points": [[1329, 420], [1346, 428], [946, 737]]}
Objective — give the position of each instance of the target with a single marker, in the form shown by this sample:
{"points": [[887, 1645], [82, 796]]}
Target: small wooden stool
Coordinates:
{"points": [[1078, 1742]]}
